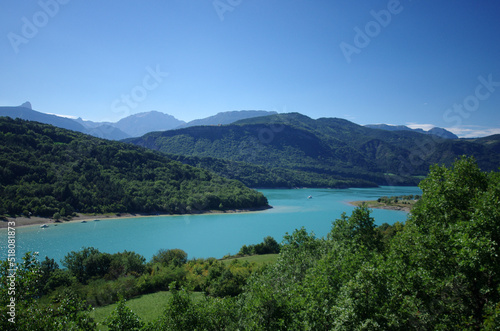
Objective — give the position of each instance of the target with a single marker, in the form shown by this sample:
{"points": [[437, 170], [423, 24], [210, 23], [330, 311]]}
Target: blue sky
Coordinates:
{"points": [[418, 63]]}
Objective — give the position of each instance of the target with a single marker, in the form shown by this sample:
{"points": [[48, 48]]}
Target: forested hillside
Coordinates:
{"points": [[324, 152], [46, 170]]}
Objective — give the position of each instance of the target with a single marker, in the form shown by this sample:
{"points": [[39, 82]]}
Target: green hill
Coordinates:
{"points": [[295, 150], [46, 170]]}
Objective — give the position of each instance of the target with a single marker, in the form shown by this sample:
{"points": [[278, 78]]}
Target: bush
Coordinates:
{"points": [[176, 257], [268, 246], [123, 318]]}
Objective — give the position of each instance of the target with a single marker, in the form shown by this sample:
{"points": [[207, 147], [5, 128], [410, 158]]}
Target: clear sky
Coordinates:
{"points": [[418, 63]]}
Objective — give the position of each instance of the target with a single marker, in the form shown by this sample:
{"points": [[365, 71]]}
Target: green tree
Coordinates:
{"points": [[180, 313], [175, 257], [126, 263], [357, 229], [64, 312], [87, 263], [123, 319], [446, 262], [67, 311]]}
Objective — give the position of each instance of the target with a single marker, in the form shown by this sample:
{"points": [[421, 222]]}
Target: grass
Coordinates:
{"points": [[148, 307]]}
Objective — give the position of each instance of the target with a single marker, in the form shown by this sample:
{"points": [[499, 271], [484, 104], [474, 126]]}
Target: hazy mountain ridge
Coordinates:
{"points": [[139, 124], [440, 132], [33, 115], [134, 125], [227, 117]]}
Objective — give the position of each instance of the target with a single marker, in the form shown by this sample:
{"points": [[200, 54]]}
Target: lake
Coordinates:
{"points": [[208, 235]]}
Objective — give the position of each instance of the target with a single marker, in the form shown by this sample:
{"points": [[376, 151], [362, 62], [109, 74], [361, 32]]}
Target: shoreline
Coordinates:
{"points": [[32, 221], [377, 205]]}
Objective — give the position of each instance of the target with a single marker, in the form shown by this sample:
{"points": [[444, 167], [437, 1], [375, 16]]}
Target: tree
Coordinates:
{"points": [[47, 268], [357, 229], [446, 262], [126, 263], [87, 263], [271, 245], [176, 257], [123, 318], [180, 312], [65, 312]]}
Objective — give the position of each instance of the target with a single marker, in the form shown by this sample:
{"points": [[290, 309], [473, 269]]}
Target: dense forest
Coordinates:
{"points": [[259, 176], [327, 152], [48, 171], [438, 271]]}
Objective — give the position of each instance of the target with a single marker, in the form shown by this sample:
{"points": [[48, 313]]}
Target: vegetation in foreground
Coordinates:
{"points": [[440, 270]]}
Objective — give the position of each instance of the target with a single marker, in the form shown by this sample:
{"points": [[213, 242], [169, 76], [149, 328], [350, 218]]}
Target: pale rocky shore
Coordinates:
{"points": [[27, 221], [378, 205]]}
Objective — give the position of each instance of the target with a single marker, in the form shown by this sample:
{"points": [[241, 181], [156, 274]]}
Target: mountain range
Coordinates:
{"points": [[328, 152], [139, 124], [266, 149], [134, 125], [440, 132]]}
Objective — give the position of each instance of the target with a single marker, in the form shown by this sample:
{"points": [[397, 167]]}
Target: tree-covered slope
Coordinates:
{"points": [[44, 170], [335, 150], [298, 153]]}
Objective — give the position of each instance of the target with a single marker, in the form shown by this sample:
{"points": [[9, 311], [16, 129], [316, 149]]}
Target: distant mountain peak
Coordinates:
{"points": [[27, 104], [141, 123], [440, 132], [229, 117]]}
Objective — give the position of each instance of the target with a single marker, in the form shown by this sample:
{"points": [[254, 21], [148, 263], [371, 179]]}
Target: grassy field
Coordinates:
{"points": [[150, 306]]}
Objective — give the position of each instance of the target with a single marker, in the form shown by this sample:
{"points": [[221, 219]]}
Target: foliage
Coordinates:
{"points": [[123, 318], [87, 263], [268, 246], [401, 198], [52, 172], [452, 239], [66, 311], [440, 270], [267, 176], [175, 257]]}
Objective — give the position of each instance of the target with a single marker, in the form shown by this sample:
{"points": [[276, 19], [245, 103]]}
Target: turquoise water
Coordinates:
{"points": [[211, 235]]}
